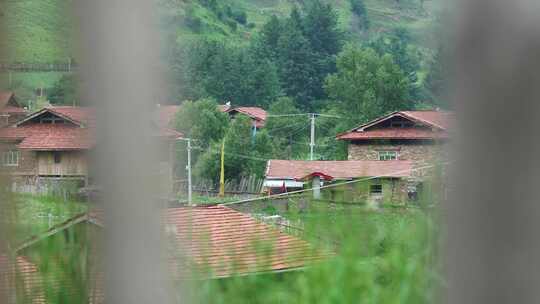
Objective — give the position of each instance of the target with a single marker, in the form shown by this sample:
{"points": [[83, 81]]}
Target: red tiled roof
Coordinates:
{"points": [[436, 124], [228, 242], [166, 115], [60, 137], [348, 169], [57, 137], [224, 108], [7, 107], [394, 133], [13, 110], [20, 274], [5, 97], [50, 137], [83, 115], [170, 133], [440, 119], [256, 113], [218, 242]]}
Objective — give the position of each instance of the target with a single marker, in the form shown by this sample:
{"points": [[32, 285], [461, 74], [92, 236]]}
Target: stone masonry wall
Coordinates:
{"points": [[421, 153]]}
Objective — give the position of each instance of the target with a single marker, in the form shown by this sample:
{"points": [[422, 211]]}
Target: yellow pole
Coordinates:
{"points": [[222, 175]]}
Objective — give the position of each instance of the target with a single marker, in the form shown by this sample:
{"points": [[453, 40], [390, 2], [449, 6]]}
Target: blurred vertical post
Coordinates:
{"points": [[494, 213], [119, 69], [4, 199]]}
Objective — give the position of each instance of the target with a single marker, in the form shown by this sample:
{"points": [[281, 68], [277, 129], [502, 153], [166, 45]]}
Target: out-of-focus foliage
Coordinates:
{"points": [[387, 256]]}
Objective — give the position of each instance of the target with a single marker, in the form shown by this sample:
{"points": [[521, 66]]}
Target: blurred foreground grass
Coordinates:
{"points": [[35, 214], [384, 256]]}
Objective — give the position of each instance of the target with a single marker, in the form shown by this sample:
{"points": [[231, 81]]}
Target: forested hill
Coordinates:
{"points": [[41, 29], [239, 19], [41, 32]]}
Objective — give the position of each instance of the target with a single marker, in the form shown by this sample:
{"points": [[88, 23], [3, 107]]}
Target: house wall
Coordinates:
{"points": [[394, 191], [27, 161], [421, 153], [407, 150], [72, 163]]}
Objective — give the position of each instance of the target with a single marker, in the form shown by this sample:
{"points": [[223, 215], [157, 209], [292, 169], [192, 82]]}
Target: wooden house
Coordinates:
{"points": [[52, 145], [10, 110]]}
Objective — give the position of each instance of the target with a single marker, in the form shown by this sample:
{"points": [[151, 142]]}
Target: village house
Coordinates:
{"points": [[51, 146], [10, 110], [210, 242], [256, 114], [417, 136], [377, 181], [166, 114]]}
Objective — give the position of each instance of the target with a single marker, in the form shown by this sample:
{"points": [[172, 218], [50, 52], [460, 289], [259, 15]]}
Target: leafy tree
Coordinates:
{"points": [[245, 154], [202, 121], [288, 133], [64, 91], [367, 85]]}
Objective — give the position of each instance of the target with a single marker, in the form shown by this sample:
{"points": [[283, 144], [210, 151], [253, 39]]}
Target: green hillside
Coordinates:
{"points": [[194, 19], [41, 31]]}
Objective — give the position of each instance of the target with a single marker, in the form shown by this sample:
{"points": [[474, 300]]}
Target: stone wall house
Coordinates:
{"points": [[417, 136], [353, 181]]}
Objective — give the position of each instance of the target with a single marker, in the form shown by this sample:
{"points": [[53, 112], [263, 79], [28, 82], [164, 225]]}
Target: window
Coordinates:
{"points": [[57, 157], [10, 158], [375, 190], [387, 155], [401, 124]]}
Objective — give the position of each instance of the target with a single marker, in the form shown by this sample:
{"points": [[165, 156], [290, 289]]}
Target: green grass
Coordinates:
{"points": [[35, 214], [380, 257], [39, 31]]}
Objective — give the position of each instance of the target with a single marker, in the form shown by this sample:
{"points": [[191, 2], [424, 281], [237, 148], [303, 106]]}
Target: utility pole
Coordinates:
{"points": [[188, 168], [312, 142], [190, 187]]}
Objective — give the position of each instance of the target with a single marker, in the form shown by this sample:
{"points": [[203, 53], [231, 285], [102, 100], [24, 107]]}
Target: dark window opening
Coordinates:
{"points": [[57, 157], [375, 190]]}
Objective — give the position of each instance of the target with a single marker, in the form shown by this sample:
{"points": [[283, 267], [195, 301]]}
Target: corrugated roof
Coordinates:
{"points": [[298, 169]]}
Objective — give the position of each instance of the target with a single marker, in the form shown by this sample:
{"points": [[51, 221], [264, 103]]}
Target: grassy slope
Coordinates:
{"points": [[41, 30], [38, 30]]}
